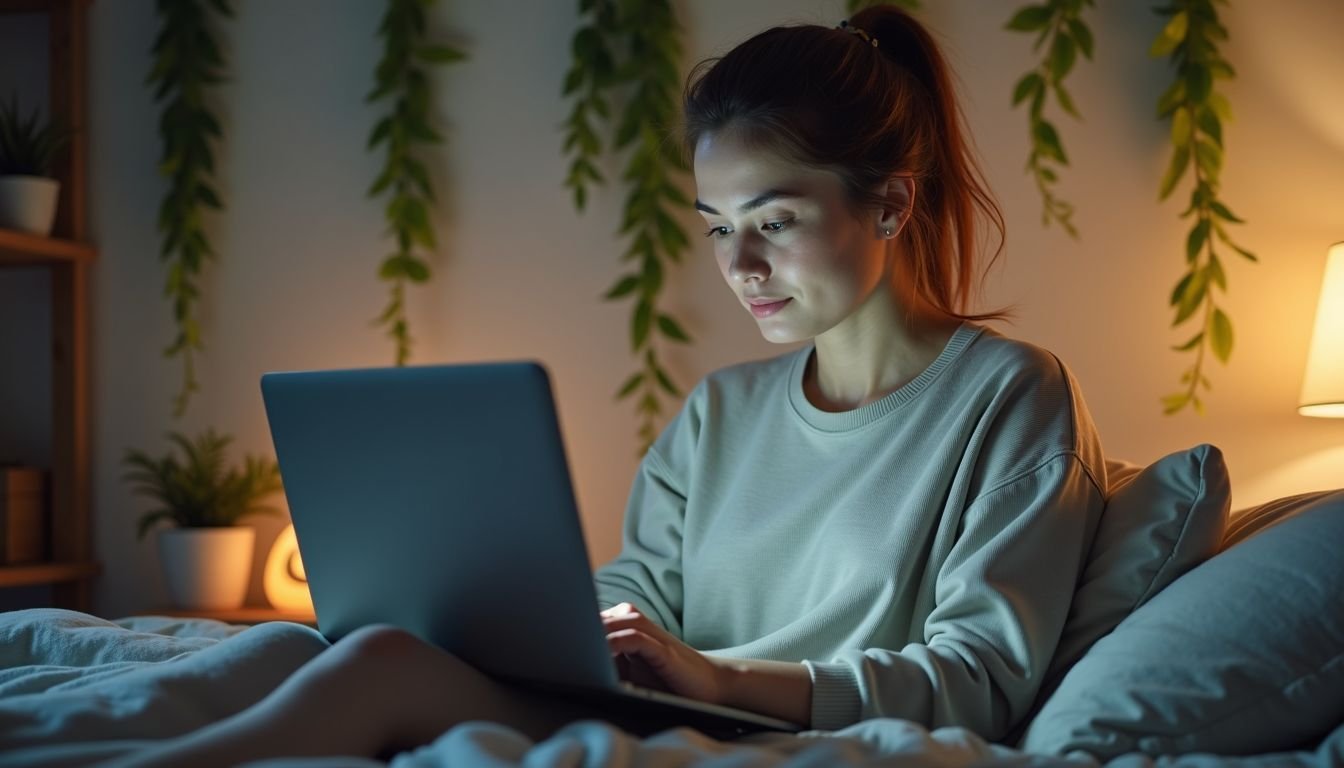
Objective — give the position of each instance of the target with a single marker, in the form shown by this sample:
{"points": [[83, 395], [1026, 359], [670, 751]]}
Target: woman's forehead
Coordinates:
{"points": [[730, 172]]}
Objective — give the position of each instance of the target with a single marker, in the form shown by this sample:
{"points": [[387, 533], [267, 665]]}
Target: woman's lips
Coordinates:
{"points": [[766, 308]]}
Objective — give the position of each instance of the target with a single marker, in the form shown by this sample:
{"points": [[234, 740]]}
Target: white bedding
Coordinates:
{"points": [[75, 689]]}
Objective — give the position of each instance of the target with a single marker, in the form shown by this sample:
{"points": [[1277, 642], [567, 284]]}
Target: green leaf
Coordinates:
{"points": [[439, 54], [623, 287], [1181, 286], [629, 386], [1171, 98], [573, 80], [380, 132], [1047, 141], [652, 275], [1195, 292], [649, 404], [1189, 345], [1222, 212], [381, 183], [1180, 127], [1032, 18], [1198, 82], [1030, 84], [666, 383], [1063, 52], [1081, 35], [1195, 241], [1174, 403], [1066, 101], [1221, 335], [1209, 157], [639, 324], [1211, 125], [417, 270], [1216, 273], [1172, 35], [1220, 106], [1180, 158], [671, 329], [1222, 70]]}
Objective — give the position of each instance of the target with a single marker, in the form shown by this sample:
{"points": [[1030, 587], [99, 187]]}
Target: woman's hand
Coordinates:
{"points": [[678, 667]]}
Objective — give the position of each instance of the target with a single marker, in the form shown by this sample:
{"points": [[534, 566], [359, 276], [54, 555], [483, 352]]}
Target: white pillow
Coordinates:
{"points": [[1242, 655]]}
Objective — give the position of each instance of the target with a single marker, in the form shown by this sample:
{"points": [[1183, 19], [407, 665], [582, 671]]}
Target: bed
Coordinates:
{"points": [[1198, 638]]}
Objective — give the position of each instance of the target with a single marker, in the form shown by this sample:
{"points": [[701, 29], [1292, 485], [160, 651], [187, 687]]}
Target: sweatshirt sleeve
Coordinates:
{"points": [[647, 572], [1001, 599]]}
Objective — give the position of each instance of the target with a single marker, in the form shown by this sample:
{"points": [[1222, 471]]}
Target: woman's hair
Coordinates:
{"points": [[828, 98]]}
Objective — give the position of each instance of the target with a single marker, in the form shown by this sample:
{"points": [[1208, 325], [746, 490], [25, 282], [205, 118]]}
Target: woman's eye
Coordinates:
{"points": [[776, 226], [717, 232]]}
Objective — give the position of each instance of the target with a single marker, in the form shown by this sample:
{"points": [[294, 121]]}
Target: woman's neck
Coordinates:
{"points": [[875, 351]]}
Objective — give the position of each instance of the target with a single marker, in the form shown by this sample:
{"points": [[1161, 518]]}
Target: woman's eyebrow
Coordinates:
{"points": [[754, 203]]}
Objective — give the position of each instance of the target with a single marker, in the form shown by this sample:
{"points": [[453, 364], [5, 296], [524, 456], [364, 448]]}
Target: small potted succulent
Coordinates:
{"points": [[206, 555], [28, 148]]}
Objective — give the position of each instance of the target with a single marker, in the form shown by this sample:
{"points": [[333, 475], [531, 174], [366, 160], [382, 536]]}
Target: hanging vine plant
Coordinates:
{"points": [[405, 129], [1060, 29], [633, 47], [1197, 112], [187, 62]]}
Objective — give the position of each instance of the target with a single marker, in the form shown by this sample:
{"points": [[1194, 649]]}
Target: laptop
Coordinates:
{"points": [[438, 499]]}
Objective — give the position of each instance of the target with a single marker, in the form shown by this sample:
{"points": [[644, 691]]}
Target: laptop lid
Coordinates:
{"points": [[438, 499]]}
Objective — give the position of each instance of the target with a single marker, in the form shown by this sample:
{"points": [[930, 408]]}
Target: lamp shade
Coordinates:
{"points": [[1323, 386]]}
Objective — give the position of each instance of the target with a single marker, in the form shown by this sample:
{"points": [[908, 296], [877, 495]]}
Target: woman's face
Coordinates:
{"points": [[786, 238]]}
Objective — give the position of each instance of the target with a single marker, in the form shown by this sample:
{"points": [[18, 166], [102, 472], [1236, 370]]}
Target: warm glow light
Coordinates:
{"points": [[1323, 386], [284, 580]]}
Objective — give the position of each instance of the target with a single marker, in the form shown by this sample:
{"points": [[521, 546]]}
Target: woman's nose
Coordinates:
{"points": [[745, 260]]}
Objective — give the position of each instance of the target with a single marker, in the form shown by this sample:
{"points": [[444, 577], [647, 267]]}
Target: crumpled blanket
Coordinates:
{"points": [[76, 689]]}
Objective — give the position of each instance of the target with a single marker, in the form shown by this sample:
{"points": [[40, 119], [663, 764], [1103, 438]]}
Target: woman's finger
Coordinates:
{"points": [[632, 642], [640, 659], [636, 621]]}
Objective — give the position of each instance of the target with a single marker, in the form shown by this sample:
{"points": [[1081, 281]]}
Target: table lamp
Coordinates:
{"points": [[1323, 386], [284, 579]]}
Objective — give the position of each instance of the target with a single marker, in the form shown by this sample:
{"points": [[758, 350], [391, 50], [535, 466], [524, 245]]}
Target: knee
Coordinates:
{"points": [[377, 641]]}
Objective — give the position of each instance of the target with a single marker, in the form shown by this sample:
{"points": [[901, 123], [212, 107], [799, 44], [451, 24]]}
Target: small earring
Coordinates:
{"points": [[887, 231]]}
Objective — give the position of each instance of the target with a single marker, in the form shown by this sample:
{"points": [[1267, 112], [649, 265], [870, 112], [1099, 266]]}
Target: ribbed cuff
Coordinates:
{"points": [[836, 702]]}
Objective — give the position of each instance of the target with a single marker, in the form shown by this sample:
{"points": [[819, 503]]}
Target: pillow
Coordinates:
{"points": [[1245, 523], [1242, 655], [1158, 523]]}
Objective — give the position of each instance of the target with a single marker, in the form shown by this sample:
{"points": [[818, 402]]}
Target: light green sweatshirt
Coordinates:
{"points": [[917, 554]]}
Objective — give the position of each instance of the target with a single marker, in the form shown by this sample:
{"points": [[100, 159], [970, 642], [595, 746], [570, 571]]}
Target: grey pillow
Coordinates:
{"points": [[1242, 655], [1159, 522], [1245, 523]]}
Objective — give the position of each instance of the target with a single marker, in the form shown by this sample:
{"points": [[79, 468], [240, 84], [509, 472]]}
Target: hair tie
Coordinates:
{"points": [[853, 30]]}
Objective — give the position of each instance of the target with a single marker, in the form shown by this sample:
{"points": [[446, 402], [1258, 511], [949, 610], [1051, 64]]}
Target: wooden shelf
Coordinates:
{"points": [[46, 573], [244, 615], [22, 248], [68, 257]]}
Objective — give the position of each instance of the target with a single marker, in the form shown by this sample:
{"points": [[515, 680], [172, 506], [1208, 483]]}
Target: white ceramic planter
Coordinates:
{"points": [[28, 203], [207, 568]]}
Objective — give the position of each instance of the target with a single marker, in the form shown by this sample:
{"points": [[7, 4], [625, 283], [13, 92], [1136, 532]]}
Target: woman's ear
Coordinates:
{"points": [[900, 202]]}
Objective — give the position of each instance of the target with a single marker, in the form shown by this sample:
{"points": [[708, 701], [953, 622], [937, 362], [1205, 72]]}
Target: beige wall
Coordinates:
{"points": [[519, 273]]}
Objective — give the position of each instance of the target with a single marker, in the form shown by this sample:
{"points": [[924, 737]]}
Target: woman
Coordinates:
{"points": [[888, 522]]}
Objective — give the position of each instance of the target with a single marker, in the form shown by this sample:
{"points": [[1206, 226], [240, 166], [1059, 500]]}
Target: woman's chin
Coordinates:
{"points": [[782, 335]]}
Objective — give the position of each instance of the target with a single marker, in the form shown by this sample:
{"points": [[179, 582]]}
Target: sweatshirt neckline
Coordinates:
{"points": [[843, 421]]}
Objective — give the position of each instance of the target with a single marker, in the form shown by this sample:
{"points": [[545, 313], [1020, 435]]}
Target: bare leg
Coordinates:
{"points": [[376, 691]]}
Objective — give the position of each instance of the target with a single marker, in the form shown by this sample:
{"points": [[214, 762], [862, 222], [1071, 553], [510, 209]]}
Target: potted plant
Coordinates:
{"points": [[206, 556], [28, 193]]}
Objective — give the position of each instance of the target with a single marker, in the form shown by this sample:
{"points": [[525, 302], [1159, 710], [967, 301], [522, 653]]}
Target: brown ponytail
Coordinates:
{"points": [[828, 98]]}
